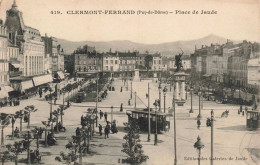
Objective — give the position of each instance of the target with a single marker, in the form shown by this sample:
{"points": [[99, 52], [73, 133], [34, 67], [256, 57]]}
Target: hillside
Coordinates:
{"points": [[168, 49]]}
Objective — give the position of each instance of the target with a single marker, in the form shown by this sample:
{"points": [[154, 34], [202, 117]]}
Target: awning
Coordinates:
{"points": [[26, 85], [16, 65], [61, 75], [4, 91], [42, 79], [8, 88]]}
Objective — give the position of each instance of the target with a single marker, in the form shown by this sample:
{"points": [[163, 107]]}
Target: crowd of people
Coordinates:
{"points": [[10, 102]]}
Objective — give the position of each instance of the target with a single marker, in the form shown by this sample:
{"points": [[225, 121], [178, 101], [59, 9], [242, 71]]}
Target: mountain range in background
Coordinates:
{"points": [[166, 49]]}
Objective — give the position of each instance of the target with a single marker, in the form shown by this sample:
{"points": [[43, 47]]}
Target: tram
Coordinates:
{"points": [[141, 117], [252, 119]]}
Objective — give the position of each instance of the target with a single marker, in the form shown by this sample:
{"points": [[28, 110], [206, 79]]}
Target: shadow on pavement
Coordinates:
{"points": [[234, 128]]}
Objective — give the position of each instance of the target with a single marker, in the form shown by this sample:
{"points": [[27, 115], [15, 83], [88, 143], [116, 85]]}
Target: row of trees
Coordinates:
{"points": [[80, 142]]}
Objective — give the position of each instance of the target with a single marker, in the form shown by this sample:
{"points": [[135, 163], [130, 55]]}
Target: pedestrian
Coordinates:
{"points": [[55, 99], [100, 129], [78, 132], [238, 111], [146, 95], [121, 89], [198, 123], [10, 102], [121, 107], [101, 114], [14, 102], [18, 101], [240, 108], [129, 102], [106, 131], [40, 92], [105, 115], [246, 109], [243, 113]]}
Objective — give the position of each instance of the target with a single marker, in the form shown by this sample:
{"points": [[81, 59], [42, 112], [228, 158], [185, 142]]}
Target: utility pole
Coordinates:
{"points": [[131, 89], [160, 103], [112, 114], [135, 100], [97, 102], [149, 124], [174, 120], [51, 105], [212, 126]]}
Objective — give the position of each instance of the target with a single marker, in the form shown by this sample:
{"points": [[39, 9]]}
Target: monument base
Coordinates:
{"points": [[181, 110], [136, 78]]}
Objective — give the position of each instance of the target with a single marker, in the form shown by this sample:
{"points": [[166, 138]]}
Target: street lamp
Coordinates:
{"points": [[135, 100], [160, 87], [212, 136], [198, 145], [131, 89], [155, 134], [164, 95], [199, 93], [50, 90], [191, 90]]}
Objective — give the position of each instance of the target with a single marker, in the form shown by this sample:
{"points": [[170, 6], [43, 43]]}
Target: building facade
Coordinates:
{"points": [[111, 62], [29, 41], [4, 58]]}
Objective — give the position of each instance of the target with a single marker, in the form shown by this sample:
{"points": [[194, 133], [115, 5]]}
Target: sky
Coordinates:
{"points": [[235, 19]]}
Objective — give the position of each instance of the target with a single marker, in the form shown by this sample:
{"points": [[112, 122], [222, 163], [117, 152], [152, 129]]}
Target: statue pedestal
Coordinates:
{"points": [[180, 95], [136, 78]]}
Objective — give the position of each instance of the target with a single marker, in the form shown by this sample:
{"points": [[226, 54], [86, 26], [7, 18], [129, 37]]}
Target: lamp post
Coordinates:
{"points": [[174, 128], [97, 101], [191, 92], [198, 145], [111, 113], [164, 95], [160, 87], [199, 93], [149, 121], [131, 89], [50, 104], [135, 100], [212, 135], [155, 133]]}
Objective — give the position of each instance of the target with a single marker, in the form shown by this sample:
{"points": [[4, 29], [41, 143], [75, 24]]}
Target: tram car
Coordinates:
{"points": [[252, 119], [141, 117]]}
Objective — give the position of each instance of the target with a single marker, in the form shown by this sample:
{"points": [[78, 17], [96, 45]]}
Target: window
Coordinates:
{"points": [[106, 61], [111, 61], [111, 68], [106, 67], [115, 61]]}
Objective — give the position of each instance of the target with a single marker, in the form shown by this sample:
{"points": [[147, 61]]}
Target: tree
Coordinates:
{"points": [[5, 121], [16, 149], [13, 118], [132, 146], [46, 124], [20, 115], [5, 156], [29, 109], [56, 114]]}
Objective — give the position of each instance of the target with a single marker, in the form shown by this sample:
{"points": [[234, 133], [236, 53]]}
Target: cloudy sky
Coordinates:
{"points": [[235, 19]]}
